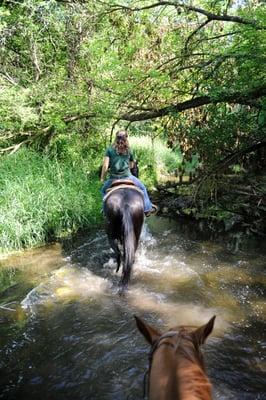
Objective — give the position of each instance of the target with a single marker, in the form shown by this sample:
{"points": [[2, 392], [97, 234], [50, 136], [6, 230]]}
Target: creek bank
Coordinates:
{"points": [[236, 206]]}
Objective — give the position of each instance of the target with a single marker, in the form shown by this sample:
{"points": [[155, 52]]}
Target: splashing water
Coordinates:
{"points": [[71, 336]]}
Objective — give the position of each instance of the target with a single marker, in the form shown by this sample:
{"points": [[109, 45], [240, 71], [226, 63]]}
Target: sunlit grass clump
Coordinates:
{"points": [[155, 158], [43, 199]]}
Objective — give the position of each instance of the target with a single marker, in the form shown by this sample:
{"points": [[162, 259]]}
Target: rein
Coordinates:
{"points": [[155, 347]]}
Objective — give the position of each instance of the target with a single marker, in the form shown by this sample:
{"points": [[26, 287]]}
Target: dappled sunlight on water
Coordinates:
{"points": [[174, 313], [75, 337], [67, 283], [46, 258]]}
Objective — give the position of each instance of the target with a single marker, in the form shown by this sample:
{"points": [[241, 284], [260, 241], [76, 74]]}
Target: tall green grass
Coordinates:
{"points": [[42, 199], [155, 158]]}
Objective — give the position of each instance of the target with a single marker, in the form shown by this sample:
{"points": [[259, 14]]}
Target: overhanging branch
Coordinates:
{"points": [[210, 16], [45, 134], [236, 97], [72, 118]]}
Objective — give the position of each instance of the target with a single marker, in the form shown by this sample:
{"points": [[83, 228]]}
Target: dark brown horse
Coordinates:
{"points": [[176, 369], [124, 211]]}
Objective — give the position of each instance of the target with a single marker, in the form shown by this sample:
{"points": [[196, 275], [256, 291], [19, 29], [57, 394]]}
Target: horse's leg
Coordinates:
{"points": [[123, 283], [118, 255], [125, 277], [126, 271], [111, 229], [138, 223], [132, 229], [114, 245]]}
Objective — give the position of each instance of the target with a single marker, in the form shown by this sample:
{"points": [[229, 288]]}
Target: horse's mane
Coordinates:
{"points": [[189, 348], [194, 371]]}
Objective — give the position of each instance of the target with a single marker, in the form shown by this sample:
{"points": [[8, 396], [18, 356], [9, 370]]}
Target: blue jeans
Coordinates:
{"points": [[138, 183]]}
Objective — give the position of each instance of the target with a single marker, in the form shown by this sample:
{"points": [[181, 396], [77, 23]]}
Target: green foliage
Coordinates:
{"points": [[79, 152], [155, 158], [65, 59], [146, 157], [43, 199], [237, 168], [167, 160], [69, 70]]}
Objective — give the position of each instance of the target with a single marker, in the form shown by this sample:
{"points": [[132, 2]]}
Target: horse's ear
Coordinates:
{"points": [[151, 334], [204, 331]]}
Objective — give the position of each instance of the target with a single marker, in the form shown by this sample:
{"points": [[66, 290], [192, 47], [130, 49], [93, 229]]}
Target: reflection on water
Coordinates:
{"points": [[66, 334]]}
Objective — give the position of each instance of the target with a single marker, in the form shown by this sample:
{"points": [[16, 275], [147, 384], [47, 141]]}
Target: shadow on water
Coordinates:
{"points": [[66, 334]]}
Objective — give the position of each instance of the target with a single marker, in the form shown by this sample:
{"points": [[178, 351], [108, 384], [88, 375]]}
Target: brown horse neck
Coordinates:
{"points": [[192, 378], [178, 376], [163, 376], [193, 381]]}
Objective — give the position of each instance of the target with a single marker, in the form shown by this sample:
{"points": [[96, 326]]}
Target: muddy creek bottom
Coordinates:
{"points": [[66, 334]]}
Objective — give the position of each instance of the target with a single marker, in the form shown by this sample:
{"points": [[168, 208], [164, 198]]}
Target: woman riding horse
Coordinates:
{"points": [[119, 158], [124, 205]]}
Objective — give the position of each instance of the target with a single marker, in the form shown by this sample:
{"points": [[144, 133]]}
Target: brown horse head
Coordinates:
{"points": [[176, 370]]}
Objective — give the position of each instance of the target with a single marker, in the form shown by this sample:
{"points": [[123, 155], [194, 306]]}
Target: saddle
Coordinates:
{"points": [[121, 184]]}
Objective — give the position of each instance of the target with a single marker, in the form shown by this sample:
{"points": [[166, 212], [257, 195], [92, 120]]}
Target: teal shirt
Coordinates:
{"points": [[119, 163]]}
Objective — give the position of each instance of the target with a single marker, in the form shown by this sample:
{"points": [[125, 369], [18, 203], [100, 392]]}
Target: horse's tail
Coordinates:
{"points": [[129, 244]]}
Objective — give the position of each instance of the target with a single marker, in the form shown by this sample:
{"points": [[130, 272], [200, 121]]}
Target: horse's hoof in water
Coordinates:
{"points": [[121, 292], [122, 289]]}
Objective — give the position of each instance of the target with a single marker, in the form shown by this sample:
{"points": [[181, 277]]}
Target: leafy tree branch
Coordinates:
{"points": [[235, 97], [210, 16]]}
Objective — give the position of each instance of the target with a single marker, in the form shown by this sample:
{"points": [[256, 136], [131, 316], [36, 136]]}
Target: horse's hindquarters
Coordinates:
{"points": [[125, 216]]}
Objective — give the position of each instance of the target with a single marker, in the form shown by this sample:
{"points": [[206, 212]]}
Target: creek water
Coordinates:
{"points": [[66, 334]]}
